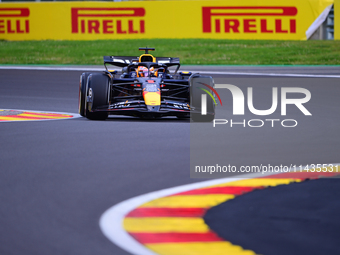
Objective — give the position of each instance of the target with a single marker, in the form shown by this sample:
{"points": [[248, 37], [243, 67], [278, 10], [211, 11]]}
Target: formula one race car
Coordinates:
{"points": [[146, 88]]}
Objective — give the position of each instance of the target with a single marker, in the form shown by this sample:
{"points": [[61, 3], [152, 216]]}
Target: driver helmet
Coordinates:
{"points": [[144, 72]]}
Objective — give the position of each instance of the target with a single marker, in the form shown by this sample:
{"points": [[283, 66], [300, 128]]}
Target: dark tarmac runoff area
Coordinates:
{"points": [[299, 218], [58, 177]]}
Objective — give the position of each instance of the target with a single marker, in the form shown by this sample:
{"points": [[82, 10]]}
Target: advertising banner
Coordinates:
{"points": [[336, 20], [249, 19]]}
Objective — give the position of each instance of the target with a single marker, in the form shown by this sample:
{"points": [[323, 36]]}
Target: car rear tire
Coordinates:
{"points": [[99, 85], [82, 93]]}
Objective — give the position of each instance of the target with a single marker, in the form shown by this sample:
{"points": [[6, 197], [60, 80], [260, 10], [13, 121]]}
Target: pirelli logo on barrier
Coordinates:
{"points": [[14, 20], [215, 19], [249, 19], [108, 20]]}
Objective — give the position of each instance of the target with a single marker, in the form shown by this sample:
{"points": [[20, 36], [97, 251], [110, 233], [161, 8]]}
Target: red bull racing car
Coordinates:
{"points": [[146, 87]]}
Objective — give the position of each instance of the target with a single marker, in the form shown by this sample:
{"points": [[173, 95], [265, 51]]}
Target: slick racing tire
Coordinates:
{"points": [[82, 93], [98, 85]]}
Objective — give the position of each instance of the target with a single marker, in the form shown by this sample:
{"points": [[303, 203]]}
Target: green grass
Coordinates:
{"points": [[190, 51]]}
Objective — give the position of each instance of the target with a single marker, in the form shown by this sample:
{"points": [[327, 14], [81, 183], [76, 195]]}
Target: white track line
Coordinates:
{"points": [[87, 69], [276, 74], [51, 68], [75, 115], [111, 222]]}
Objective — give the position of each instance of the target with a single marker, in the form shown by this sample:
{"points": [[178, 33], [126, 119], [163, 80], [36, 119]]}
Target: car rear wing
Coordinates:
{"points": [[125, 61], [119, 61], [163, 60]]}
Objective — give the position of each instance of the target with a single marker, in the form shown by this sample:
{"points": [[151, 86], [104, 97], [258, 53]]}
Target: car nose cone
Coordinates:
{"points": [[153, 108]]}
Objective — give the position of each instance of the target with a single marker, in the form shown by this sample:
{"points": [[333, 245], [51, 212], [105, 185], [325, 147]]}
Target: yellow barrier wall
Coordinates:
{"points": [[247, 19], [336, 20]]}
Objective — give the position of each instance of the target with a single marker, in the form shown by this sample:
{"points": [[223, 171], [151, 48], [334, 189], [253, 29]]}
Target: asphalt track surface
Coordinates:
{"points": [[58, 177], [299, 218]]}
